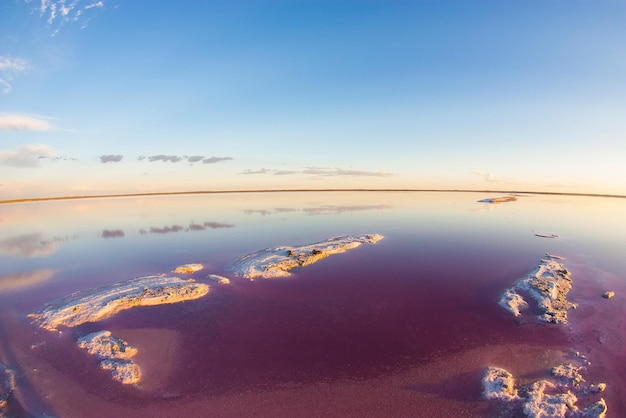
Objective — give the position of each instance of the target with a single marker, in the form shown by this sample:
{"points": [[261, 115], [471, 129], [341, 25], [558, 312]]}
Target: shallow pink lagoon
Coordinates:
{"points": [[403, 327]]}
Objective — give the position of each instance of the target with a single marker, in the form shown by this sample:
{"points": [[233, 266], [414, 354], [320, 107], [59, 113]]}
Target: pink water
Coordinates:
{"points": [[401, 328]]}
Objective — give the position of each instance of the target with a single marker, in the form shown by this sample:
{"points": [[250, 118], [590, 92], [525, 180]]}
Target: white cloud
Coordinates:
{"points": [[17, 122], [177, 158], [59, 12], [9, 68], [96, 4], [489, 177], [318, 171], [261, 171], [26, 155], [341, 172]]}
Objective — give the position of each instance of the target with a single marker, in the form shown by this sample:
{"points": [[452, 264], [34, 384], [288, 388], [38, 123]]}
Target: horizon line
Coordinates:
{"points": [[148, 194]]}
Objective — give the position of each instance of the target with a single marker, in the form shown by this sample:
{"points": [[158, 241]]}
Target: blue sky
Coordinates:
{"points": [[133, 96]]}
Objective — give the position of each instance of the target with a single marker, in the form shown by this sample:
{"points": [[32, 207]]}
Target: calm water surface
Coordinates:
{"points": [[404, 327]]}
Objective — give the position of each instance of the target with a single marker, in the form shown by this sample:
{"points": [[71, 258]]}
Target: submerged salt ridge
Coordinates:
{"points": [[97, 304], [549, 285], [114, 355], [276, 262], [7, 385]]}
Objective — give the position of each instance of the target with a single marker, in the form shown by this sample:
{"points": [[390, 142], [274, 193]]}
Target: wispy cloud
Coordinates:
{"points": [[20, 122], [341, 172], [165, 158], [195, 158], [27, 156], [261, 171], [9, 68], [213, 160], [60, 12], [178, 158], [488, 177], [319, 171], [111, 158]]}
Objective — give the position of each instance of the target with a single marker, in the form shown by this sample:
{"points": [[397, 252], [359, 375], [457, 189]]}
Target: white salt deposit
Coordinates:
{"points": [[97, 304], [513, 302], [544, 235], [188, 268], [499, 384], [7, 385], [495, 200], [114, 355], [541, 404], [218, 279], [276, 262], [549, 285], [543, 398]]}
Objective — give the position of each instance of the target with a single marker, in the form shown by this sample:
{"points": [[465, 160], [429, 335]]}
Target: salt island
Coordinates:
{"points": [[100, 303], [549, 283], [114, 355], [276, 262]]}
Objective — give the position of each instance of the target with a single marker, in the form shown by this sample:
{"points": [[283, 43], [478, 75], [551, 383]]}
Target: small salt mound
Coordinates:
{"points": [[218, 279], [114, 355], [499, 384], [495, 200], [188, 268]]}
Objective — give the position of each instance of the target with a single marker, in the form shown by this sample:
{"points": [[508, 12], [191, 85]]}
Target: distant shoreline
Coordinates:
{"points": [[197, 192]]}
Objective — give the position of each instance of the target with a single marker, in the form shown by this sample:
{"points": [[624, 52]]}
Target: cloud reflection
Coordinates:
{"points": [[193, 226], [28, 245], [320, 210], [112, 233], [21, 281]]}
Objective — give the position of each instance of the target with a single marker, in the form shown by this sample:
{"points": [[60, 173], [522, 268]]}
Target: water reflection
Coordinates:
{"points": [[29, 245], [112, 233], [191, 227], [17, 282], [420, 307], [318, 210]]}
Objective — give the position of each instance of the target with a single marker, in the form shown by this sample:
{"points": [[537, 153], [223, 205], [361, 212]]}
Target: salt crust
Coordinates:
{"points": [[549, 285], [542, 235], [218, 279], [495, 200], [97, 304], [276, 262], [114, 355], [7, 385], [188, 268], [499, 384], [542, 398]]}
